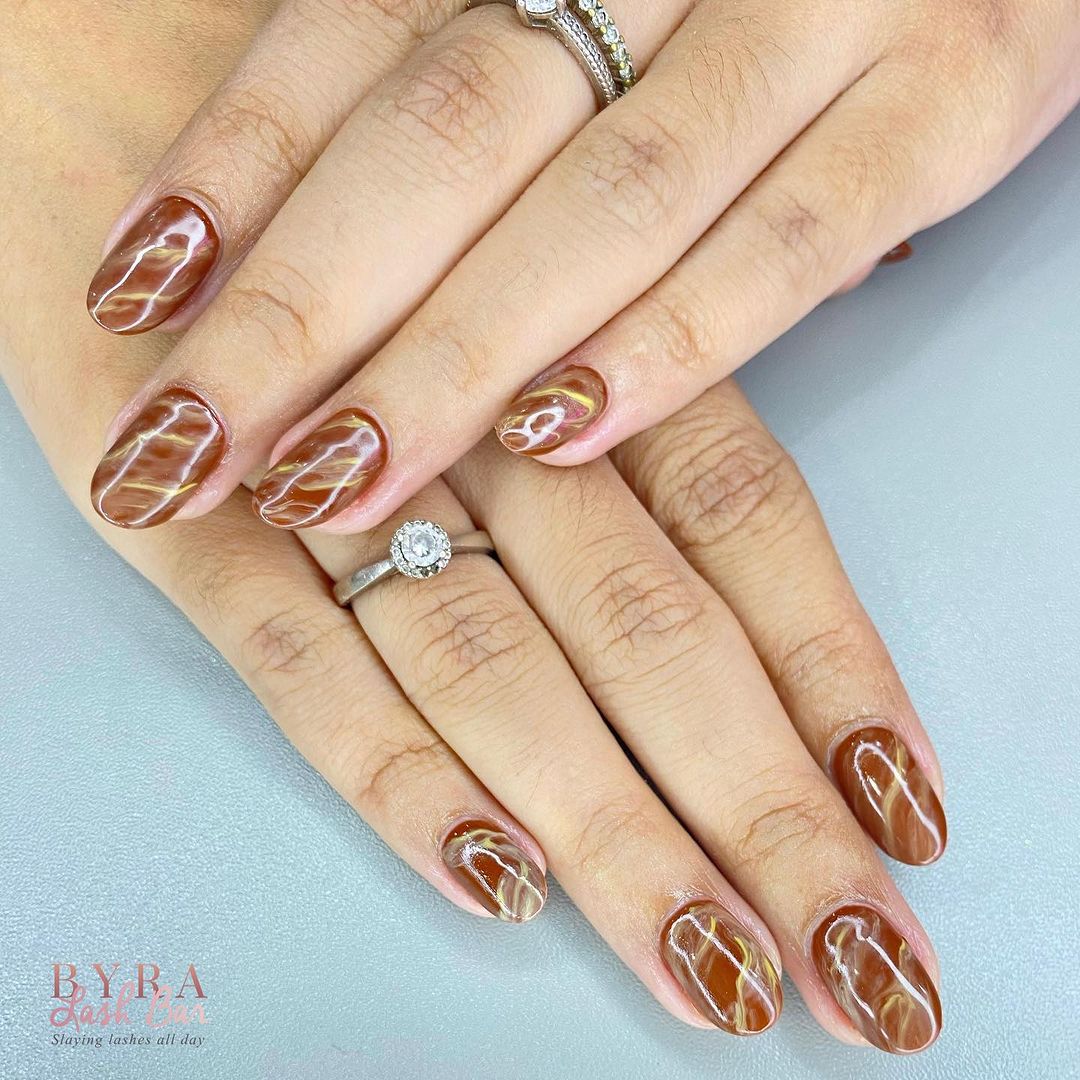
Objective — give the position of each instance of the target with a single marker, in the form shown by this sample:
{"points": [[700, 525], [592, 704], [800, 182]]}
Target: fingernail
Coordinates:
{"points": [[722, 969], [897, 254], [877, 980], [156, 265], [155, 466], [495, 870], [890, 795], [553, 412], [323, 474]]}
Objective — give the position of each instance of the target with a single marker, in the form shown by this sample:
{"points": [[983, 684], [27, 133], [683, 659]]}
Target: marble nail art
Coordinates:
{"points": [[154, 267], [877, 980], [495, 870], [722, 968], [155, 466]]}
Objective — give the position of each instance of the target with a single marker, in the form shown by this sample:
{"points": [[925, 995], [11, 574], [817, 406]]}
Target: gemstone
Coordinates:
{"points": [[540, 7], [611, 34], [420, 549]]}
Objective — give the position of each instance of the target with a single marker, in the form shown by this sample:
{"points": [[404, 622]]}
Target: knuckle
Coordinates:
{"points": [[384, 773], [262, 121], [638, 171], [211, 568], [684, 328], [782, 823], [823, 656], [455, 361], [478, 640], [729, 481], [619, 821], [281, 301], [411, 22], [805, 242], [290, 641], [456, 102], [865, 167], [641, 602]]}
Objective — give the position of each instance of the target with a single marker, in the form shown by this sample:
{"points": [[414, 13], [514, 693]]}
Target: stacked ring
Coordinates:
{"points": [[591, 36]]}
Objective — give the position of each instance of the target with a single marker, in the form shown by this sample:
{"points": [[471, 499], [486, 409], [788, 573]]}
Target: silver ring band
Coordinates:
{"points": [[591, 37], [418, 549]]}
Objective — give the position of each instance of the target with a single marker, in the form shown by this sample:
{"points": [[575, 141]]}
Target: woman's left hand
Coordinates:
{"points": [[402, 184]]}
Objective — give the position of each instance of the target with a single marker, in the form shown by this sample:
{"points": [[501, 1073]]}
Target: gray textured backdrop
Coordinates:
{"points": [[149, 809]]}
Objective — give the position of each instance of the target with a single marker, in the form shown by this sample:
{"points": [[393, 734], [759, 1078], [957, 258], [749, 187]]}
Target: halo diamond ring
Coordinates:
{"points": [[418, 549]]}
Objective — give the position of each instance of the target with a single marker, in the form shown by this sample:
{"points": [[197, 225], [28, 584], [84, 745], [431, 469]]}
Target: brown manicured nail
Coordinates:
{"points": [[155, 466], [553, 412], [156, 265], [495, 870], [897, 254], [890, 795], [326, 472], [877, 980], [722, 969]]}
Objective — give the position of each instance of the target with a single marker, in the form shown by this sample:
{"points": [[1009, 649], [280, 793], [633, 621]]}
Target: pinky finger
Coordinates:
{"points": [[325, 686]]}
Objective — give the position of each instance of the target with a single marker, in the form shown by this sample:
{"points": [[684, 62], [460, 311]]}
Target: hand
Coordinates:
{"points": [[478, 719], [421, 192]]}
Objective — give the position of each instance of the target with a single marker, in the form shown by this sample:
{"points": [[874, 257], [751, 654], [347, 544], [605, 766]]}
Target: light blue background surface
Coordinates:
{"points": [[148, 809]]}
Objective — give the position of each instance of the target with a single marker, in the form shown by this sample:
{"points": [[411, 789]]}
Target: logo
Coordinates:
{"points": [[114, 1005]]}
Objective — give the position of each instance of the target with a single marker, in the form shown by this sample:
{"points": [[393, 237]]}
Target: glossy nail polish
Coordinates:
{"points": [[326, 472], [495, 871], [155, 466], [156, 265], [890, 795], [897, 254], [553, 412], [877, 980], [722, 969]]}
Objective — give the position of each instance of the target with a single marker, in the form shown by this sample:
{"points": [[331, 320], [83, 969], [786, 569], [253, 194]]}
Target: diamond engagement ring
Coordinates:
{"points": [[419, 549], [586, 28]]}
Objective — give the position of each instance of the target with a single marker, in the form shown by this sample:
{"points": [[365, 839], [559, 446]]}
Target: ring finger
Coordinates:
{"points": [[480, 666]]}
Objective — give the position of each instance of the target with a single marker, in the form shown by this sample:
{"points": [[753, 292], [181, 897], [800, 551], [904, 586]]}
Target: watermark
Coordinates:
{"points": [[127, 1005]]}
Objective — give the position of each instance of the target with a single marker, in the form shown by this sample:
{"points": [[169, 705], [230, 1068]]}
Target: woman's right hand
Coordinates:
{"points": [[735, 663]]}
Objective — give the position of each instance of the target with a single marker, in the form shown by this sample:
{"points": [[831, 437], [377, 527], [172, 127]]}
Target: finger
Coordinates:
{"points": [[844, 195], [241, 155], [669, 667], [479, 665], [423, 165], [262, 602], [603, 221], [735, 505]]}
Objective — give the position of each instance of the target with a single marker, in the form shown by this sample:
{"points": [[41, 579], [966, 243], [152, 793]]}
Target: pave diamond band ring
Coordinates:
{"points": [[587, 30], [419, 549]]}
